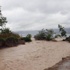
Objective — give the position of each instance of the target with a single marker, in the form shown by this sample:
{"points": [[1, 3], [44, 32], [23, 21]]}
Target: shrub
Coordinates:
{"points": [[41, 35], [44, 35], [62, 31], [26, 39], [56, 36], [15, 35], [67, 39], [6, 35], [48, 38], [29, 36], [2, 41], [11, 41], [49, 35], [5, 31]]}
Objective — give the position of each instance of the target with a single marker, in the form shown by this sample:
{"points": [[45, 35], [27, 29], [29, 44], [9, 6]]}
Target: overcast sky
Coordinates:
{"points": [[36, 14]]}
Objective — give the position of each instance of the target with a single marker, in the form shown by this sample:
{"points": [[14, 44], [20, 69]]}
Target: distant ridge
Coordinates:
{"points": [[34, 32], [67, 30]]}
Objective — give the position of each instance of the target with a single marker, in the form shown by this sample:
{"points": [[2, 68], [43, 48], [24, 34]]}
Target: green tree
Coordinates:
{"points": [[44, 35], [6, 31], [62, 30], [49, 34], [3, 20], [29, 35]]}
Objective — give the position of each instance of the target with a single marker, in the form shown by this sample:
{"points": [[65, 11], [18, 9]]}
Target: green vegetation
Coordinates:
{"points": [[2, 20], [11, 41], [56, 36], [2, 42], [5, 31], [48, 35], [67, 39], [44, 35], [7, 37], [41, 35], [62, 31], [27, 38]]}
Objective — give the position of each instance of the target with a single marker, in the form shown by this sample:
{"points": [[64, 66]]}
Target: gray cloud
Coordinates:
{"points": [[36, 14]]}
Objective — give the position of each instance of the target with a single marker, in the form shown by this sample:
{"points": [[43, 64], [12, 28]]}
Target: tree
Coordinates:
{"points": [[29, 35], [6, 31], [62, 30], [3, 20], [44, 35], [49, 34]]}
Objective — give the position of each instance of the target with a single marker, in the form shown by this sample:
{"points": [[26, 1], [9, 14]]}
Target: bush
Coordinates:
{"points": [[29, 36], [2, 41], [48, 38], [44, 35], [6, 35], [26, 39], [67, 39], [56, 36], [62, 31], [5, 31], [41, 35], [15, 35], [11, 41]]}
